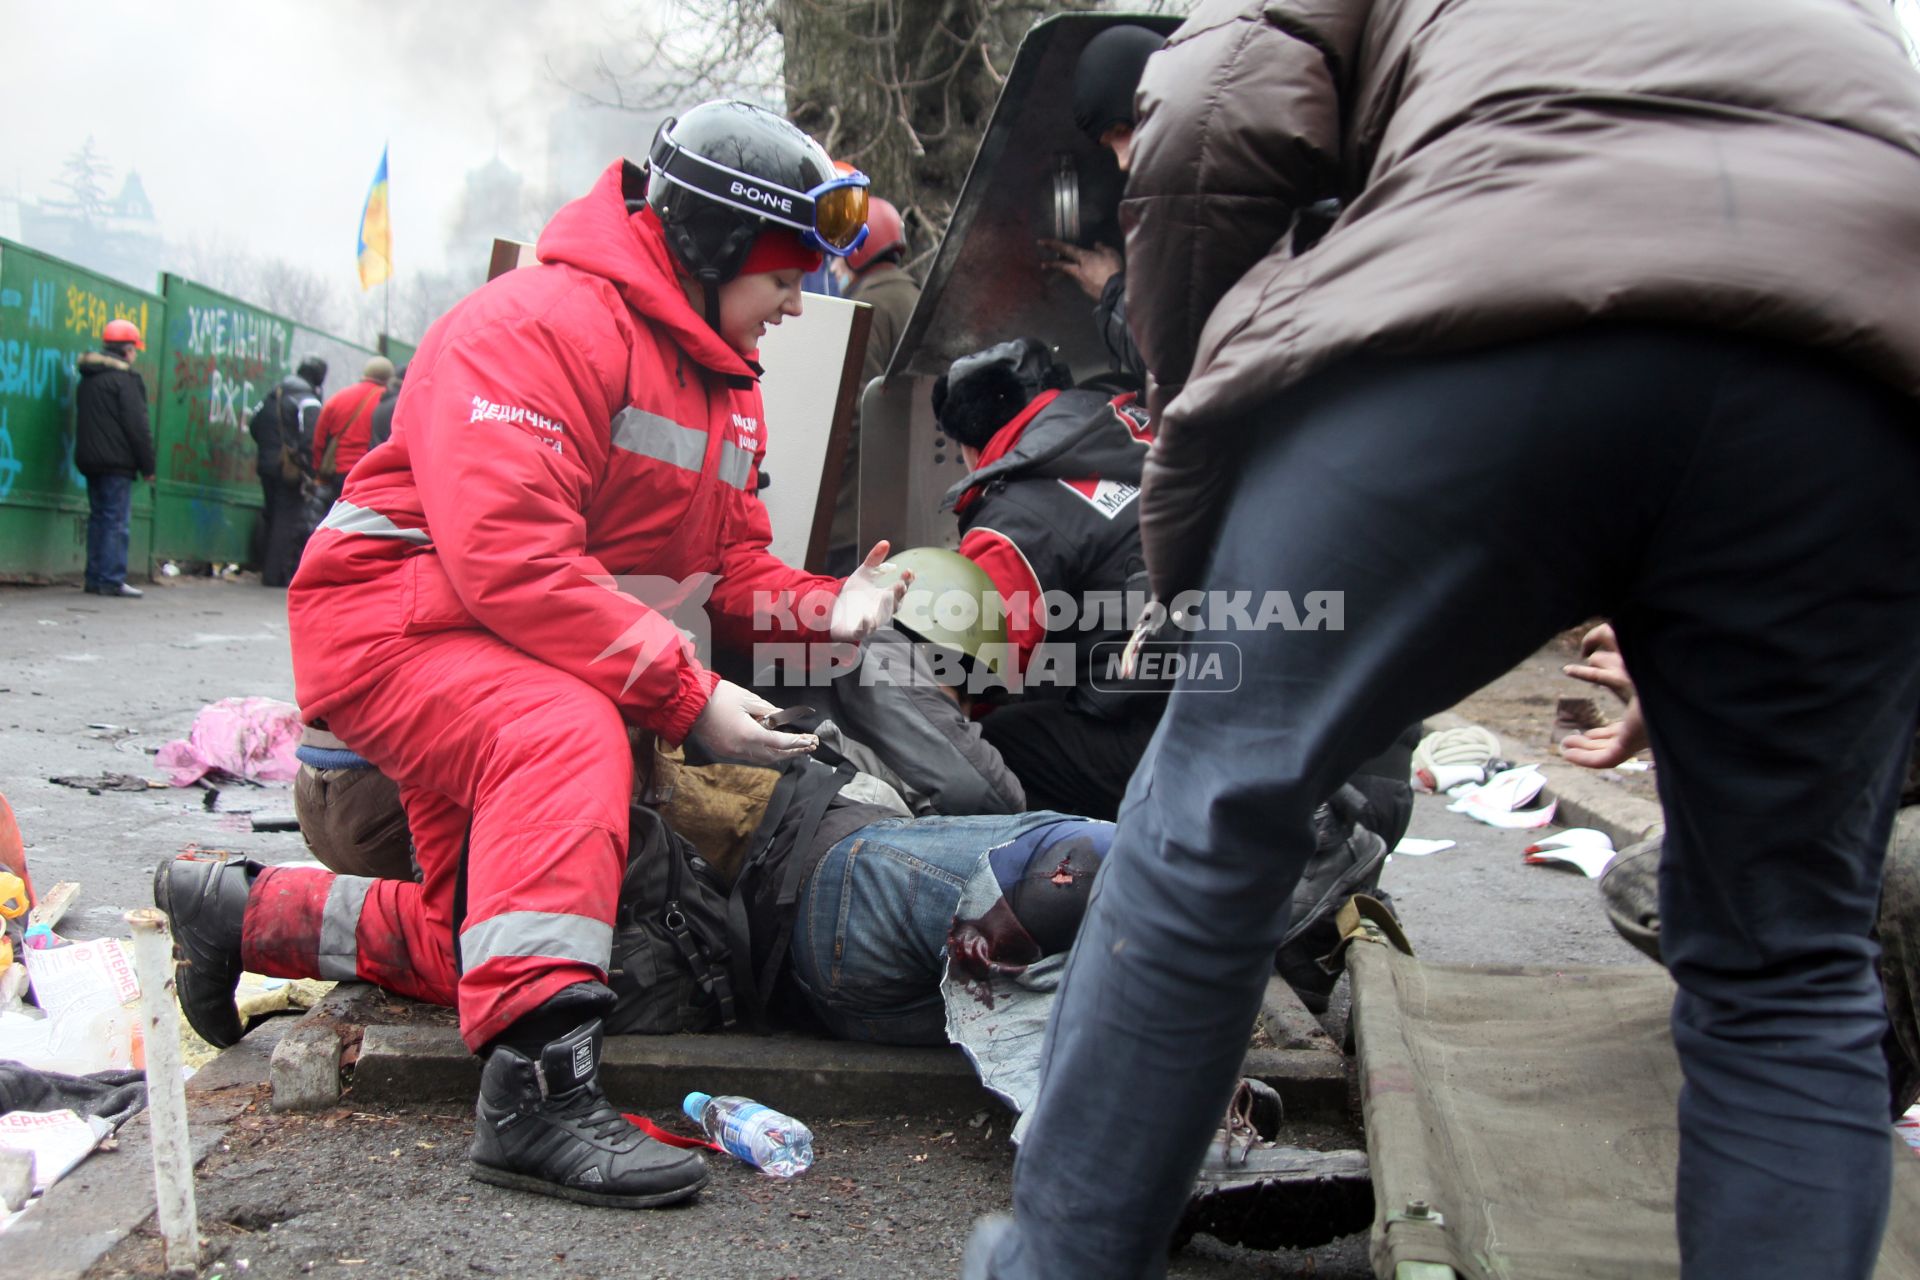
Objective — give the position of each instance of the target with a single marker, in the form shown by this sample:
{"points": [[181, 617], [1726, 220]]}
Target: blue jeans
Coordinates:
{"points": [[870, 941], [1759, 572], [109, 517]]}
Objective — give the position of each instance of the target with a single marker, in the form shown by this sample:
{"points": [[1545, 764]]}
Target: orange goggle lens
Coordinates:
{"points": [[839, 214]]}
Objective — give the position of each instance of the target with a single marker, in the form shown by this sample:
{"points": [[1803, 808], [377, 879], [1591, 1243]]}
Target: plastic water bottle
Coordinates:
{"points": [[772, 1143]]}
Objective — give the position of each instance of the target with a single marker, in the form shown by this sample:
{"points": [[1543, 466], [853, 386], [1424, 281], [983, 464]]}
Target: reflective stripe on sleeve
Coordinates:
{"points": [[655, 436], [347, 518], [736, 464], [549, 935], [652, 436], [339, 958]]}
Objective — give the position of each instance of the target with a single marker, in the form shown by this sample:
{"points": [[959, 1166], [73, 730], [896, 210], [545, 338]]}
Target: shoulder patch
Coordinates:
{"points": [[1108, 497]]}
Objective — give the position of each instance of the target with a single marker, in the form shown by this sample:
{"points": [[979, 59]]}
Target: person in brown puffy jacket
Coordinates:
{"points": [[1661, 255]]}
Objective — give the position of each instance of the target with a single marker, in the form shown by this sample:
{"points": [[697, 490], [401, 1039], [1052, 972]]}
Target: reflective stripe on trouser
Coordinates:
{"points": [[529, 770]]}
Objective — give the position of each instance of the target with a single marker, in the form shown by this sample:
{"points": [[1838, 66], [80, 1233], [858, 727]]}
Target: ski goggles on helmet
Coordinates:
{"points": [[831, 217]]}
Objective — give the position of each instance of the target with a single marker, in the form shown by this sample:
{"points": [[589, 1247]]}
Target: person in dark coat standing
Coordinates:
{"points": [[1637, 246], [282, 429], [382, 426], [112, 445]]}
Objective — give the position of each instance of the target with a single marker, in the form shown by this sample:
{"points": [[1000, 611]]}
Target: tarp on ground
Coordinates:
{"points": [[1533, 1109]]}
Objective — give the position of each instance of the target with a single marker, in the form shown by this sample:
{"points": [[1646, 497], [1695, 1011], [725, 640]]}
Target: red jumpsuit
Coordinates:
{"points": [[455, 620]]}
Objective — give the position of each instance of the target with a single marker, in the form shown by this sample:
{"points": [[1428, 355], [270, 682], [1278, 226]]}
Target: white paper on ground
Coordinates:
{"points": [[58, 1140], [1591, 859], [1572, 838], [1498, 802], [1908, 1127], [1414, 847], [85, 973]]}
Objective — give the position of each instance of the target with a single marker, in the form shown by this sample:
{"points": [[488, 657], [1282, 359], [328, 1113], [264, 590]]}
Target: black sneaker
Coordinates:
{"points": [[545, 1126], [1347, 859], [206, 901]]}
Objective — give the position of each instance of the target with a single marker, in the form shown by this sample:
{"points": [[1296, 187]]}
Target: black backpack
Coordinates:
{"points": [[683, 939], [673, 953]]}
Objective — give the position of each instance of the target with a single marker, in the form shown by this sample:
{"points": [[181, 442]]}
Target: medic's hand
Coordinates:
{"points": [[729, 727], [868, 598], [1610, 744]]}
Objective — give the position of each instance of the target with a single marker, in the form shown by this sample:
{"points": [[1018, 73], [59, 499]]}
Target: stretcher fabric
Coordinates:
{"points": [[1533, 1109]]}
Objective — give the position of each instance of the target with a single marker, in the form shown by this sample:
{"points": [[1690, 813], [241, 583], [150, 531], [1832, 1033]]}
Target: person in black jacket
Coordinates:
{"points": [[383, 412], [282, 429], [1104, 80], [112, 444], [1048, 508]]}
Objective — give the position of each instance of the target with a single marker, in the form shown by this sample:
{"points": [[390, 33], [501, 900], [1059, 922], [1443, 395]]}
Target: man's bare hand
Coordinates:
{"points": [[1088, 268], [1601, 663], [1615, 743], [1610, 744]]}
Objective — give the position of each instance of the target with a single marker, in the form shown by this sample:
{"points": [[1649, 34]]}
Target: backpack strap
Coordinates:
{"points": [[815, 790]]}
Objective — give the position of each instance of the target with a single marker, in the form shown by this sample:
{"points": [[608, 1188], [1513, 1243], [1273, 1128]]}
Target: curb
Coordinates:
{"points": [[402, 1063], [1587, 798]]}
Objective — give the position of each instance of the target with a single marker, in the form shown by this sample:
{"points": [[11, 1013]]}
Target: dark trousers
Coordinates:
{"points": [[1747, 514], [1068, 760], [284, 520], [109, 521]]}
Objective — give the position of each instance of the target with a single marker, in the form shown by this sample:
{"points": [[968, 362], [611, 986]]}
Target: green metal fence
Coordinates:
{"points": [[210, 359], [50, 312]]}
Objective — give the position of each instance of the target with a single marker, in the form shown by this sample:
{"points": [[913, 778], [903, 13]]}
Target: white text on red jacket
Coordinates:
{"points": [[485, 410]]}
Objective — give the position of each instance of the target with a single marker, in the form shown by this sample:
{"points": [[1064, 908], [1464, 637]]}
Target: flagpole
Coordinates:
{"points": [[386, 325]]}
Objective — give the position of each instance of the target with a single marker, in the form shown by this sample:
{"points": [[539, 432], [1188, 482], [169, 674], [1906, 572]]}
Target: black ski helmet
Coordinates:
{"points": [[725, 171]]}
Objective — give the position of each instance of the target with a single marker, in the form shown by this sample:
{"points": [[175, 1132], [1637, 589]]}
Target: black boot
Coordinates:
{"points": [[545, 1126], [1347, 859], [205, 901]]}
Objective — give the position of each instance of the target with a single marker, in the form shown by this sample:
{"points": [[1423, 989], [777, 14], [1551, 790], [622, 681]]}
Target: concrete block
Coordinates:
{"points": [[306, 1069]]}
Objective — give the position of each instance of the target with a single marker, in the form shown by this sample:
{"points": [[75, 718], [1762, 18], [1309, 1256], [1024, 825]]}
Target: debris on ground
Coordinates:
{"points": [[1498, 801], [94, 784], [252, 738], [1591, 852]]}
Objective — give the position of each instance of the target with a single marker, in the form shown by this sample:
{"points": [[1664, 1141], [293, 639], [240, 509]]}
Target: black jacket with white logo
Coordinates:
{"points": [[1054, 507]]}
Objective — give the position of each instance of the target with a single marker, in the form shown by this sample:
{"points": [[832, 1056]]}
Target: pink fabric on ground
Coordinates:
{"points": [[246, 737]]}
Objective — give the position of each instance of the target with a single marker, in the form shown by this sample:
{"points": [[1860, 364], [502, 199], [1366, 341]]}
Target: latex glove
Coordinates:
{"points": [[729, 727], [868, 598]]}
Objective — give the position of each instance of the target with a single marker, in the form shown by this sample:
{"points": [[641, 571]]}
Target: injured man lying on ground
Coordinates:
{"points": [[860, 923]]}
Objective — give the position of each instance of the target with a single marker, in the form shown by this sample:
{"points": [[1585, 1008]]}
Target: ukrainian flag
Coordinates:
{"points": [[376, 235]]}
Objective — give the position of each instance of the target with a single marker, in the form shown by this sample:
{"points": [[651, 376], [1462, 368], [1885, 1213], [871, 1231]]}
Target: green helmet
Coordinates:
{"points": [[952, 603]]}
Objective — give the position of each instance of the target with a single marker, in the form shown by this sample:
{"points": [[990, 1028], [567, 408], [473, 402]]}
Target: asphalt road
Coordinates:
{"points": [[351, 1193]]}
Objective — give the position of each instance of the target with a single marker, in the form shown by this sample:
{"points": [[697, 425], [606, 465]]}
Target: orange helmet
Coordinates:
{"points": [[123, 331], [884, 232]]}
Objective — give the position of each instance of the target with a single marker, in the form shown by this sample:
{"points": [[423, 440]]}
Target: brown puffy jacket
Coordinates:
{"points": [[1507, 167]]}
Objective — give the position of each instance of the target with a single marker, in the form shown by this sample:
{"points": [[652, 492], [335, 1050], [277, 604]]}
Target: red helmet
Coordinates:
{"points": [[884, 232], [123, 331]]}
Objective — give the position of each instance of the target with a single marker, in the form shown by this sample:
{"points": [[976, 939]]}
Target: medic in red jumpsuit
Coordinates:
{"points": [[459, 620]]}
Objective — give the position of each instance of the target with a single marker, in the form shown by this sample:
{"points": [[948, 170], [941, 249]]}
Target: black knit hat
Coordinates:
{"points": [[1106, 76], [983, 392]]}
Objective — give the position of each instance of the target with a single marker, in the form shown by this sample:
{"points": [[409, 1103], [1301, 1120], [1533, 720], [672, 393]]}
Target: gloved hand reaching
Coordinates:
{"points": [[729, 727], [868, 598]]}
